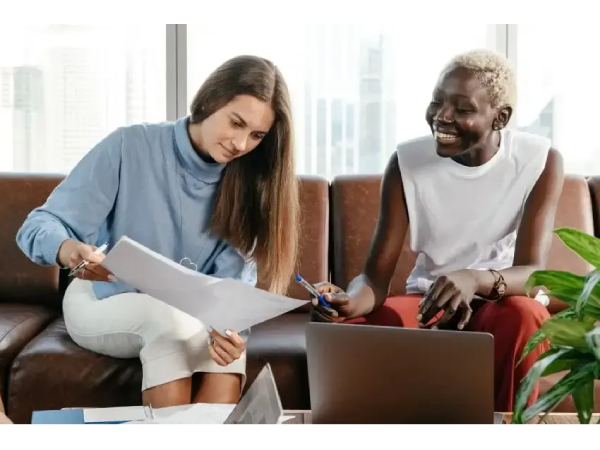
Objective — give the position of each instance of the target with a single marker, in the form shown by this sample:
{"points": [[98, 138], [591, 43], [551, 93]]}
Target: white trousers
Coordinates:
{"points": [[170, 343]]}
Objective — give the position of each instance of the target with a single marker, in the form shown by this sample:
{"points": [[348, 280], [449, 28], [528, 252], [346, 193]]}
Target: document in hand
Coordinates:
{"points": [[223, 304]]}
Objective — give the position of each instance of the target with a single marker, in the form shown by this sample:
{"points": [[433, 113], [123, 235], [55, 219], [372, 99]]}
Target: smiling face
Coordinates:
{"points": [[233, 130], [461, 115]]}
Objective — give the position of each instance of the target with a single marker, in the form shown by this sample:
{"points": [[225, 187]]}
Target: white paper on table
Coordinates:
{"points": [[223, 304], [198, 414], [260, 404], [116, 414], [498, 418]]}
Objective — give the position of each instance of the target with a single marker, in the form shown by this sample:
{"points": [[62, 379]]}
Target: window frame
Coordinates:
{"points": [[176, 63]]}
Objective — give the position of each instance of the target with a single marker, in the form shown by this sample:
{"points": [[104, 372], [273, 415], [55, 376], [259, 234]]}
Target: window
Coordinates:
{"points": [[65, 87], [356, 91], [556, 75]]}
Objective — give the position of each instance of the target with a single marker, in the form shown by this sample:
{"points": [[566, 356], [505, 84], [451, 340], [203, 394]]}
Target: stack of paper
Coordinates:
{"points": [[223, 304], [199, 413], [260, 404]]}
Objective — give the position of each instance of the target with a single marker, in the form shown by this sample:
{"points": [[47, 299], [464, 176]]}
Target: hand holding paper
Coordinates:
{"points": [[223, 304], [226, 349]]}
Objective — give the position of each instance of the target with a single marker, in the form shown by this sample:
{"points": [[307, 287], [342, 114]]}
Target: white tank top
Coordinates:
{"points": [[467, 217]]}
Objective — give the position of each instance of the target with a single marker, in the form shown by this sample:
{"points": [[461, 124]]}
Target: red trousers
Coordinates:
{"points": [[512, 322]]}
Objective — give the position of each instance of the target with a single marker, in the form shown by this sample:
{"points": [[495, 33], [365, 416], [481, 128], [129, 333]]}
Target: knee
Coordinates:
{"points": [[524, 310], [398, 311], [520, 316]]}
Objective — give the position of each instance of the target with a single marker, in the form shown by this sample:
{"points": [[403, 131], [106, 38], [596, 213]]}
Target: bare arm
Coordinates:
{"points": [[534, 237], [370, 289]]}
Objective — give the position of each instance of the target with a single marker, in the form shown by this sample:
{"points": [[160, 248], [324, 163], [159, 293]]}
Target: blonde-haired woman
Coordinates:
{"points": [[479, 200]]}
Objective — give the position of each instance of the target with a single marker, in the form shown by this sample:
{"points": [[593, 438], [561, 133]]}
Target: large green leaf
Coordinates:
{"points": [[583, 293], [570, 297], [567, 333], [583, 397], [566, 286], [585, 245], [555, 279], [550, 362], [539, 336], [591, 281], [592, 340], [572, 381]]}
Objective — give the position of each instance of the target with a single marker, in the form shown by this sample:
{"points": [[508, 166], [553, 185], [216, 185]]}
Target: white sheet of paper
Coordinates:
{"points": [[210, 418], [199, 413], [260, 404], [223, 304], [498, 418], [116, 414]]}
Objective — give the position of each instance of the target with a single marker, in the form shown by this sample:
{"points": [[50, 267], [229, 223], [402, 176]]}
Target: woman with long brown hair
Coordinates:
{"points": [[215, 191]]}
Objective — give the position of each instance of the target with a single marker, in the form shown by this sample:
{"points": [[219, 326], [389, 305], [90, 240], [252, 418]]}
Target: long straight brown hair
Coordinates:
{"points": [[257, 209]]}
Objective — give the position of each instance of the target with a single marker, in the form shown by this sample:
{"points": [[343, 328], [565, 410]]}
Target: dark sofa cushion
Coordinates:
{"points": [[19, 324]]}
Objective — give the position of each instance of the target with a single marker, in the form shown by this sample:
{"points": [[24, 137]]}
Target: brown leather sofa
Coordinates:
{"points": [[41, 367]]}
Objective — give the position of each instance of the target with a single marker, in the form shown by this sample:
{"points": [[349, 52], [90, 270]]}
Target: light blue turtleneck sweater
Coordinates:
{"points": [[146, 182]]}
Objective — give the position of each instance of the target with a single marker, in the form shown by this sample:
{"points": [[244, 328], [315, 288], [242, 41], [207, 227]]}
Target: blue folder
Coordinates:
{"points": [[63, 417]]}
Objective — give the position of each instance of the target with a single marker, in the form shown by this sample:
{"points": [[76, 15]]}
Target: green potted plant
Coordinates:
{"points": [[573, 335]]}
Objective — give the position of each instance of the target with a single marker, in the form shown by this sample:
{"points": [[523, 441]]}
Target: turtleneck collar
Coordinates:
{"points": [[191, 161]]}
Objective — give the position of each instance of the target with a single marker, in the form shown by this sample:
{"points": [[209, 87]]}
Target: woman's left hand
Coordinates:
{"points": [[449, 293], [226, 349]]}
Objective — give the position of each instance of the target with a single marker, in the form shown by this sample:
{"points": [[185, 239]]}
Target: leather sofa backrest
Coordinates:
{"points": [[594, 185], [355, 209], [574, 211], [22, 281], [313, 261]]}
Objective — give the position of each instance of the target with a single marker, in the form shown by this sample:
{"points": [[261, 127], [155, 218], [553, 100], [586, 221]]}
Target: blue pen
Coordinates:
{"points": [[309, 287]]}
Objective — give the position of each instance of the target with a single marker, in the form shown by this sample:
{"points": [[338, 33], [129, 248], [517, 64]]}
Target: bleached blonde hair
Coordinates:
{"points": [[493, 71]]}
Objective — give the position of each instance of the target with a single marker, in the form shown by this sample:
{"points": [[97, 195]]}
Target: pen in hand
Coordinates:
{"points": [[84, 263], [310, 288]]}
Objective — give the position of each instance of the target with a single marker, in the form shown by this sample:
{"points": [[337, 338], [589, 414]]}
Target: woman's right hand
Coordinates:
{"points": [[72, 253], [342, 306]]}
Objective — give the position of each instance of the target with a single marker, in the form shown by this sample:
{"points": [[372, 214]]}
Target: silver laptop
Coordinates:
{"points": [[363, 374]]}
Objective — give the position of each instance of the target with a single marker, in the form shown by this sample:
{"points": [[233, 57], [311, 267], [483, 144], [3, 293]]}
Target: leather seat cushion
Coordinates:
{"points": [[53, 372], [19, 324]]}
